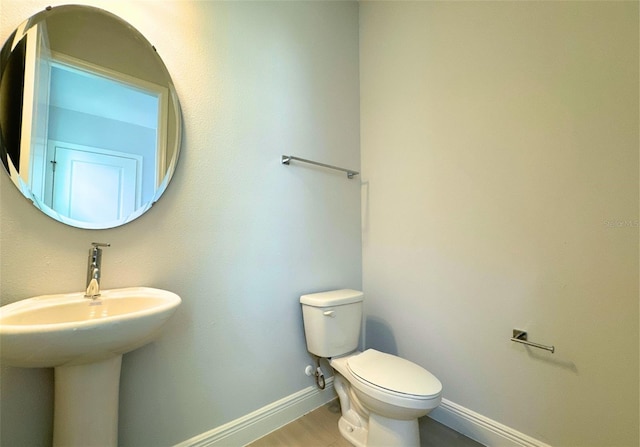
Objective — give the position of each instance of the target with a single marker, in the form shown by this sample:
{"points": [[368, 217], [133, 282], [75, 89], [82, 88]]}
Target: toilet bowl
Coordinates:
{"points": [[381, 395], [381, 398]]}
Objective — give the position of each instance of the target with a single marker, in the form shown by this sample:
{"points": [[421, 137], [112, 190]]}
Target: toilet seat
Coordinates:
{"points": [[392, 378]]}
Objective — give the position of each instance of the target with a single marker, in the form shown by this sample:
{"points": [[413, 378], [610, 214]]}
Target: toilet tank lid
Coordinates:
{"points": [[332, 298]]}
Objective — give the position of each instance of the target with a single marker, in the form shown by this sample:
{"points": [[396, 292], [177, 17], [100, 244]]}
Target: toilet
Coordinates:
{"points": [[381, 395]]}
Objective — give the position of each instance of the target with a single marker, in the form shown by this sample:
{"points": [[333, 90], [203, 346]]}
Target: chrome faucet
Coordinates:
{"points": [[93, 270]]}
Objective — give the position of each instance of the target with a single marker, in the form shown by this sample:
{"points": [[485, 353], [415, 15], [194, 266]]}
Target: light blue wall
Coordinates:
{"points": [[238, 235]]}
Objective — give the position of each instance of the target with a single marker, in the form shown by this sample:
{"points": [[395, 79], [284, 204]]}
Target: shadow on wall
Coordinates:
{"points": [[379, 336]]}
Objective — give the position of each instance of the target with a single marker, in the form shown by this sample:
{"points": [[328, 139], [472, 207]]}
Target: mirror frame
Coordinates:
{"points": [[12, 167]]}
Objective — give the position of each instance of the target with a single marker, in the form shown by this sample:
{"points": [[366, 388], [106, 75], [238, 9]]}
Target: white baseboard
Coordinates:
{"points": [[254, 425], [480, 428]]}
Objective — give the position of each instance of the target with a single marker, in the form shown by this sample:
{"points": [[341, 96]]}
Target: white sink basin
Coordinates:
{"points": [[69, 329]]}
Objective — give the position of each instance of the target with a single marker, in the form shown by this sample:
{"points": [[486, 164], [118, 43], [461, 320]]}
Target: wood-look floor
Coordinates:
{"points": [[320, 429]]}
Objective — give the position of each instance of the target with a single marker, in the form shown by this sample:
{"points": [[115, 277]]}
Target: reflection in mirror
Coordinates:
{"points": [[89, 118]]}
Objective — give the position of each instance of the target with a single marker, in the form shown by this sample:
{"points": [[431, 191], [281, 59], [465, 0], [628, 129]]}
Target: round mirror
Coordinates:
{"points": [[90, 123]]}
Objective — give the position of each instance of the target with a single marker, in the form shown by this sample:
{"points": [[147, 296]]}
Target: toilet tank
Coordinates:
{"points": [[332, 321]]}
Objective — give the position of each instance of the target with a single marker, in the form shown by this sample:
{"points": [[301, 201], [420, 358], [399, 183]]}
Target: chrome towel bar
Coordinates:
{"points": [[287, 158], [521, 337]]}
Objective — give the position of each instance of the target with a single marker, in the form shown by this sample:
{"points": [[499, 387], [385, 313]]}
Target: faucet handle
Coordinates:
{"points": [[95, 254]]}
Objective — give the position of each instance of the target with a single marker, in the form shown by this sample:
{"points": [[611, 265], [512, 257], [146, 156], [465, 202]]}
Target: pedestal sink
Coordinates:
{"points": [[83, 339]]}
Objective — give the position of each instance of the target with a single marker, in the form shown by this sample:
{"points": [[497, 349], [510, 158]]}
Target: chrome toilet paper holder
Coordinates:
{"points": [[520, 336]]}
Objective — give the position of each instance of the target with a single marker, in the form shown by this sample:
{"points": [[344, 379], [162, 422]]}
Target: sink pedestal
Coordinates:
{"points": [[86, 404], [83, 340]]}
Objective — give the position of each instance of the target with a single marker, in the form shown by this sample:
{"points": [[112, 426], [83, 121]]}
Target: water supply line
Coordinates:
{"points": [[320, 382]]}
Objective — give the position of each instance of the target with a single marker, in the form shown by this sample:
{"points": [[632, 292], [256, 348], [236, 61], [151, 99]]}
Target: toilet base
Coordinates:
{"points": [[392, 432], [382, 432], [355, 435]]}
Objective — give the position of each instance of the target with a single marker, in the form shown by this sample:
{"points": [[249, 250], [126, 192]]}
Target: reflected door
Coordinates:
{"points": [[94, 185]]}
